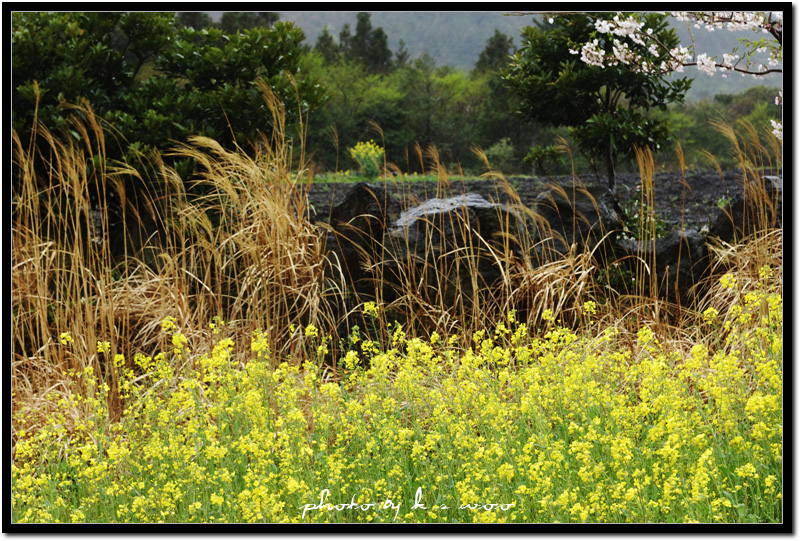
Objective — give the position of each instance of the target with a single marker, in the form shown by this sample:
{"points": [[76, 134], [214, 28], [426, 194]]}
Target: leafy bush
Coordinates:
{"points": [[501, 155], [155, 82], [545, 158]]}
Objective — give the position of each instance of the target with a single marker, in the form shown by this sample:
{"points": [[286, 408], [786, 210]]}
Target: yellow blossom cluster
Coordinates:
{"points": [[561, 427], [369, 156]]}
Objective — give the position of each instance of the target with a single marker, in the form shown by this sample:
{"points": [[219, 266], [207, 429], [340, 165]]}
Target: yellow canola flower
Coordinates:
{"points": [[570, 427], [645, 335], [169, 324], [371, 309], [728, 281], [710, 315], [748, 470]]}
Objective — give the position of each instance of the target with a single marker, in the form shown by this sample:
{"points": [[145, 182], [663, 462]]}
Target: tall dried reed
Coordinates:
{"points": [[439, 285], [244, 253], [757, 247], [62, 270]]}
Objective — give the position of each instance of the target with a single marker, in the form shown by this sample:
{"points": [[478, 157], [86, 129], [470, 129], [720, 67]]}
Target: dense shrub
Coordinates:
{"points": [[154, 82]]}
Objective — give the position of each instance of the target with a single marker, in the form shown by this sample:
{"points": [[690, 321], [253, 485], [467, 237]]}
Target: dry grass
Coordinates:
{"points": [[245, 252], [433, 285]]}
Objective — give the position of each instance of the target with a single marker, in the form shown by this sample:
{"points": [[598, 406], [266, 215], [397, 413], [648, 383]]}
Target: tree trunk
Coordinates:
{"points": [[610, 170]]}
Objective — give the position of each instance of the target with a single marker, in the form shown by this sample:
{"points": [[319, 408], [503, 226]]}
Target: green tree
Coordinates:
{"points": [[345, 38], [194, 19], [604, 107], [368, 45], [402, 55], [197, 82], [379, 59], [326, 46], [502, 134], [237, 21], [359, 47], [496, 53]]}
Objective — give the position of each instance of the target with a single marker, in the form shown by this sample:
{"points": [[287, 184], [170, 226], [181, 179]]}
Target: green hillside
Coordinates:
{"points": [[451, 38], [457, 38]]}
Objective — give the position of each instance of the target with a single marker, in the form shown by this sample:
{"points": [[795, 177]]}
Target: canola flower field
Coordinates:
{"points": [[548, 426]]}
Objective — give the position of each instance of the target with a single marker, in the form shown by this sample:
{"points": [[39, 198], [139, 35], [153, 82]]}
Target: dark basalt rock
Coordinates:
{"points": [[358, 224], [681, 261], [452, 221], [759, 207], [583, 217], [448, 243], [367, 207]]}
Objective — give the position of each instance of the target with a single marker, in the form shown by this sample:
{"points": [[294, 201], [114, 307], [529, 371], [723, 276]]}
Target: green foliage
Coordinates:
{"points": [[402, 55], [327, 47], [543, 159], [218, 76], [619, 277], [238, 21], [641, 220], [495, 55], [68, 56], [603, 107], [501, 154], [194, 19], [368, 47], [200, 82], [435, 102], [698, 136], [370, 157]]}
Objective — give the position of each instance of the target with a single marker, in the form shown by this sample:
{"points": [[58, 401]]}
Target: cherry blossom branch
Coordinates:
{"points": [[631, 27]]}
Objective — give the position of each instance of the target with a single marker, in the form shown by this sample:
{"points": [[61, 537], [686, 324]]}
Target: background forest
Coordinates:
{"points": [[448, 65], [403, 84]]}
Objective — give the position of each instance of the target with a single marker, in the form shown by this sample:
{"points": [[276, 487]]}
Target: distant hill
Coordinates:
{"points": [[456, 39], [451, 38]]}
